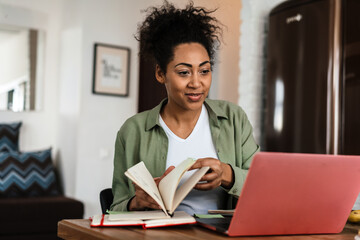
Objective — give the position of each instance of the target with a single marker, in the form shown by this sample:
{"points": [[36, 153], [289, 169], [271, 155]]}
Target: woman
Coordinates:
{"points": [[186, 124]]}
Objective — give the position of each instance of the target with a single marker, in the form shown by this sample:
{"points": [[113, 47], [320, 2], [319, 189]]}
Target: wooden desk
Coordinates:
{"points": [[80, 229]]}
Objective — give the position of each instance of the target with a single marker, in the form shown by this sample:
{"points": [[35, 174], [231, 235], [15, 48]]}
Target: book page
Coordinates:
{"points": [[170, 182], [103, 220], [136, 215], [142, 177], [187, 186], [179, 218]]}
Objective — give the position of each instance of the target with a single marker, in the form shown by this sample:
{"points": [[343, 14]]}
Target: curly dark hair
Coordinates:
{"points": [[166, 27]]}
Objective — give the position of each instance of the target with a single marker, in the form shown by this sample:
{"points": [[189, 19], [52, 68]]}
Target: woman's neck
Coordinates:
{"points": [[181, 122]]}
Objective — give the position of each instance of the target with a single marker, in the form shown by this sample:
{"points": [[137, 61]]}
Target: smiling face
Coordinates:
{"points": [[187, 78]]}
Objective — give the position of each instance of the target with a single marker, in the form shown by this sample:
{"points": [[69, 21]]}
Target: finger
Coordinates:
{"points": [[144, 196], [141, 194], [145, 201], [210, 177], [168, 170], [137, 188], [150, 202], [154, 206], [207, 185], [196, 165], [209, 181], [158, 179], [203, 162]]}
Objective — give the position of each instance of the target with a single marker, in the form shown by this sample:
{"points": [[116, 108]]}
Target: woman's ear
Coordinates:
{"points": [[159, 74]]}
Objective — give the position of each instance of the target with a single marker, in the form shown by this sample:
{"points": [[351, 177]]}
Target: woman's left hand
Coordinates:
{"points": [[220, 174]]}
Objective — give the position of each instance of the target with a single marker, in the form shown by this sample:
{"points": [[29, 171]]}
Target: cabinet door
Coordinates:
{"points": [[297, 78], [351, 83]]}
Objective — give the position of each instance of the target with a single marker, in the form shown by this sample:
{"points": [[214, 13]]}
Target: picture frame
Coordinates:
{"points": [[111, 70]]}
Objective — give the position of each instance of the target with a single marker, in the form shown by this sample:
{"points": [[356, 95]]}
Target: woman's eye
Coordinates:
{"points": [[183, 73], [204, 72]]}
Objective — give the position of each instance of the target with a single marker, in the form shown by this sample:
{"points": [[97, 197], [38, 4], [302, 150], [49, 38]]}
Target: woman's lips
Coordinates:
{"points": [[194, 96]]}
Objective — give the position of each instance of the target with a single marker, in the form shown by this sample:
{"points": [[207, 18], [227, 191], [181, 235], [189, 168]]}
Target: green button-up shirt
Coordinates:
{"points": [[141, 138]]}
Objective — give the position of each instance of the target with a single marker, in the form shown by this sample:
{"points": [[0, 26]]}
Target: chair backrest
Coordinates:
{"points": [[106, 199]]}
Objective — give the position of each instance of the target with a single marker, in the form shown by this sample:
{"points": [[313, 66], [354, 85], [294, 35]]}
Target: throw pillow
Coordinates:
{"points": [[27, 174], [9, 136]]}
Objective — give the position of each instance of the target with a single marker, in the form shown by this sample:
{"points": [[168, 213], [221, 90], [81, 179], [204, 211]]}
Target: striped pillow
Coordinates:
{"points": [[27, 174], [9, 136]]}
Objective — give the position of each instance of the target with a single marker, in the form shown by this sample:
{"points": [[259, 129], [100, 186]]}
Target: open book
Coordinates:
{"points": [[168, 195], [146, 219]]}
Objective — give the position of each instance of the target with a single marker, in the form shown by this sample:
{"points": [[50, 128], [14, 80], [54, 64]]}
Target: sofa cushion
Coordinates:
{"points": [[27, 174], [9, 136], [37, 214]]}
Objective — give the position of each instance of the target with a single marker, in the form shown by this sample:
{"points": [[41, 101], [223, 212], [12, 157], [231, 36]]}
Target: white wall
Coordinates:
{"points": [[226, 72], [101, 116], [39, 127], [69, 89], [80, 126], [254, 14]]}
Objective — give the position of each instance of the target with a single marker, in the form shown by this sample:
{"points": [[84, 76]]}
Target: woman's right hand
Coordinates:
{"points": [[142, 200]]}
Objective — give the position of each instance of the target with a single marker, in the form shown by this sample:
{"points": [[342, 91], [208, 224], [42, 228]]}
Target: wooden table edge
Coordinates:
{"points": [[66, 229], [71, 229]]}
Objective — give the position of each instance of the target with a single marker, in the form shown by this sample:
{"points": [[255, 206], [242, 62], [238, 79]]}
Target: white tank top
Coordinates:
{"points": [[198, 144]]}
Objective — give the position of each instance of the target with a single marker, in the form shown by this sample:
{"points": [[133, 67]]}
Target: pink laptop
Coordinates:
{"points": [[292, 193]]}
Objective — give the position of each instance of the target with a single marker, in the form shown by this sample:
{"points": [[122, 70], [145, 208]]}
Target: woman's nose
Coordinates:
{"points": [[195, 81]]}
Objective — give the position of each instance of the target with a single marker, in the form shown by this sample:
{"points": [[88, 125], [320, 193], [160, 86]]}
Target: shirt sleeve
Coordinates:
{"points": [[246, 147], [120, 186]]}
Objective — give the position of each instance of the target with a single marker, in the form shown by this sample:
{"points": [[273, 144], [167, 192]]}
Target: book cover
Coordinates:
{"points": [[105, 220]]}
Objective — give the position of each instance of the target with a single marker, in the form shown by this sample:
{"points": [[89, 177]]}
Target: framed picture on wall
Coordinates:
{"points": [[111, 70]]}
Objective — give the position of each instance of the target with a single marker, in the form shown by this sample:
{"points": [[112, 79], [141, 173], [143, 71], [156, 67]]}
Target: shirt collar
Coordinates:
{"points": [[215, 112], [153, 116]]}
